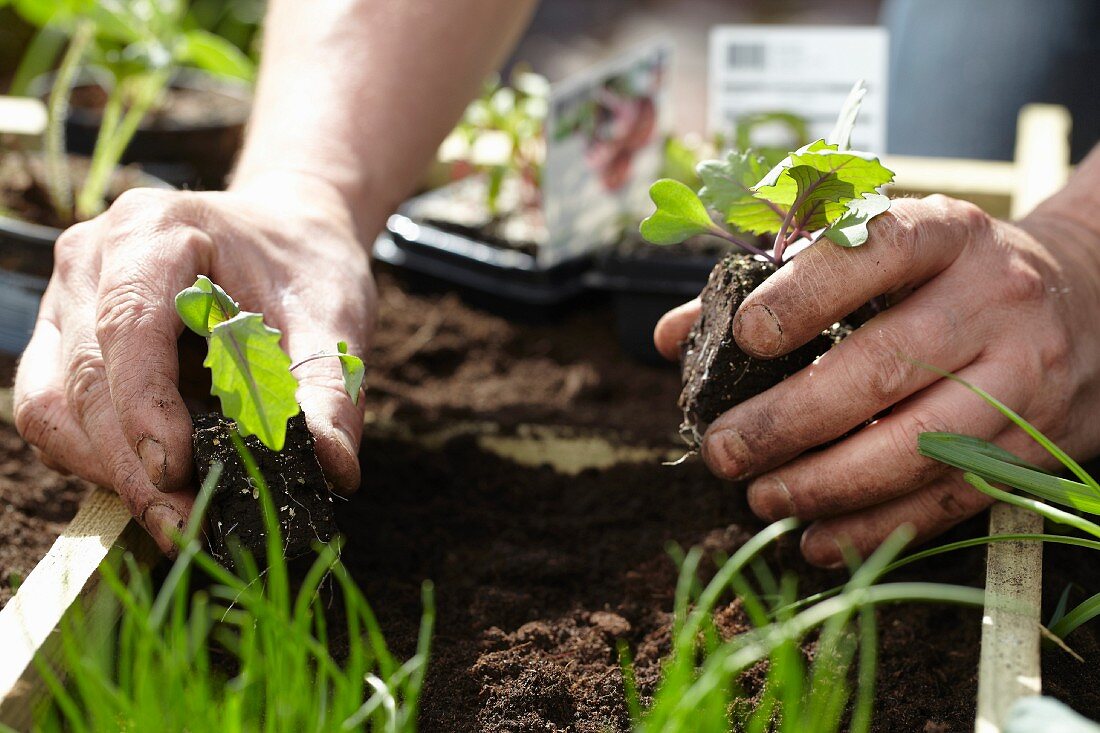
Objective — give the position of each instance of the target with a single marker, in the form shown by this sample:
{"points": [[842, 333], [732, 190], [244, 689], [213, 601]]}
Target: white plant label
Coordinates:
{"points": [[605, 135], [760, 75]]}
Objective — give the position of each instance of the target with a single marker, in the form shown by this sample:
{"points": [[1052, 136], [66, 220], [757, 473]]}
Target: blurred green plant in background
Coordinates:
{"points": [[131, 48]]}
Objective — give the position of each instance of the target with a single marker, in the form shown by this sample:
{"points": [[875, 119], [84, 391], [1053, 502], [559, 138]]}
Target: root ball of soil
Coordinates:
{"points": [[716, 373], [298, 489]]}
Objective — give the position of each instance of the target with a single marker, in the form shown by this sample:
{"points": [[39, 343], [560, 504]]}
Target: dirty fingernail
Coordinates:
{"points": [[164, 524], [726, 454], [153, 458], [757, 330], [770, 498], [820, 548]]}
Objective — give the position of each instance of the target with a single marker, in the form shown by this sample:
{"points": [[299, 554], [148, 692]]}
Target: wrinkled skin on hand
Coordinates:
{"points": [[1010, 308], [96, 392]]}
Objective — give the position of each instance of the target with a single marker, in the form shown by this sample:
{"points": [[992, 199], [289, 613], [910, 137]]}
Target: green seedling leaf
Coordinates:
{"points": [[204, 305], [819, 184], [679, 215], [1046, 511], [1060, 609], [841, 136], [353, 370], [728, 189], [214, 54], [1024, 425], [251, 376], [850, 230]]}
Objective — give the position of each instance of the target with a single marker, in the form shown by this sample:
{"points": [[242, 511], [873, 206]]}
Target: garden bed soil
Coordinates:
{"points": [[539, 574]]}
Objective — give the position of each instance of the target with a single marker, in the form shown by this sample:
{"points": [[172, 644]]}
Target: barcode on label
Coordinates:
{"points": [[745, 56]]}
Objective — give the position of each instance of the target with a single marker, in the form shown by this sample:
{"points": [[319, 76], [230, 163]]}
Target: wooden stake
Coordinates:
{"points": [[1009, 666]]}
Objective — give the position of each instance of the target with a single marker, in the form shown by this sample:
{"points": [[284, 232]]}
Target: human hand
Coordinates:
{"points": [[1010, 308], [97, 391]]}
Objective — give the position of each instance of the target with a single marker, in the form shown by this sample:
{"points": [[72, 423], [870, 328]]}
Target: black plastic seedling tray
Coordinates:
{"points": [[645, 285], [502, 280]]}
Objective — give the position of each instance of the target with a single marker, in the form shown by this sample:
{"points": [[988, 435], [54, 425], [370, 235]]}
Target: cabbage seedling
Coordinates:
{"points": [[251, 374], [823, 189]]}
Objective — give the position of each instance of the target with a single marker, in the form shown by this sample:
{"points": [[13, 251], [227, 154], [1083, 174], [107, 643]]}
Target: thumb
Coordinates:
{"points": [[673, 328]]}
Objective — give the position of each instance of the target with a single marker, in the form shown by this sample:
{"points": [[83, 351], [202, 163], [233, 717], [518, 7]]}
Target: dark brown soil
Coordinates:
{"points": [[35, 506], [302, 499], [717, 375], [539, 574], [181, 108]]}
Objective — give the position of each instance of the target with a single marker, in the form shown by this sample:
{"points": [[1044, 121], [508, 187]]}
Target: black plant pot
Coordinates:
{"points": [[26, 262], [647, 281], [190, 153]]}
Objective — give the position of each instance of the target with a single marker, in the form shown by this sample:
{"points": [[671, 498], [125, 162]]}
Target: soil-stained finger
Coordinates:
{"points": [[909, 245], [42, 415], [880, 462], [866, 373], [931, 509], [136, 328]]}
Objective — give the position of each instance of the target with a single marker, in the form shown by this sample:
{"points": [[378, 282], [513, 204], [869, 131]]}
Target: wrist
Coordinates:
{"points": [[324, 197]]}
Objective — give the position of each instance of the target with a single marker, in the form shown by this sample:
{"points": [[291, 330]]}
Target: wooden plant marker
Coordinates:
{"points": [[1009, 666], [29, 624]]}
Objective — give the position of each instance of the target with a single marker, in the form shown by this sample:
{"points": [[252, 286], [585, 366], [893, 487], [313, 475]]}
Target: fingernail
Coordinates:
{"points": [[345, 441], [164, 524], [153, 458], [770, 498], [757, 330], [821, 549], [726, 454]]}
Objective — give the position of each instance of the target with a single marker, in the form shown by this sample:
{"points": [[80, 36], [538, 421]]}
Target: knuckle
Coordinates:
{"points": [[86, 385], [970, 215], [899, 228], [121, 308], [879, 367], [136, 202], [71, 248], [1022, 282], [36, 415], [903, 442], [950, 501], [1054, 352]]}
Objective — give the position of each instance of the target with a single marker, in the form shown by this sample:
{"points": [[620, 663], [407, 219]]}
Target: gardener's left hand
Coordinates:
{"points": [[1010, 308]]}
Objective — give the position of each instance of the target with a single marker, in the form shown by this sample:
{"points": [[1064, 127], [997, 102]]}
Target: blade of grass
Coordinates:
{"points": [[1082, 613], [1024, 425], [1045, 510], [947, 448]]}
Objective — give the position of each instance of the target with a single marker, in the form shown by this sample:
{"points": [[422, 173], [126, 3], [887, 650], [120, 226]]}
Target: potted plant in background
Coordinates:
{"points": [[138, 47], [481, 232], [187, 89]]}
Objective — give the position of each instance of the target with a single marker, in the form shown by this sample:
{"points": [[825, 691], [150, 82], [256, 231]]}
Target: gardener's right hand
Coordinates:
{"points": [[97, 388]]}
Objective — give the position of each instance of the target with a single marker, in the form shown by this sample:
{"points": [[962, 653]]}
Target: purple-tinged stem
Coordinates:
{"points": [[312, 357], [752, 249]]}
